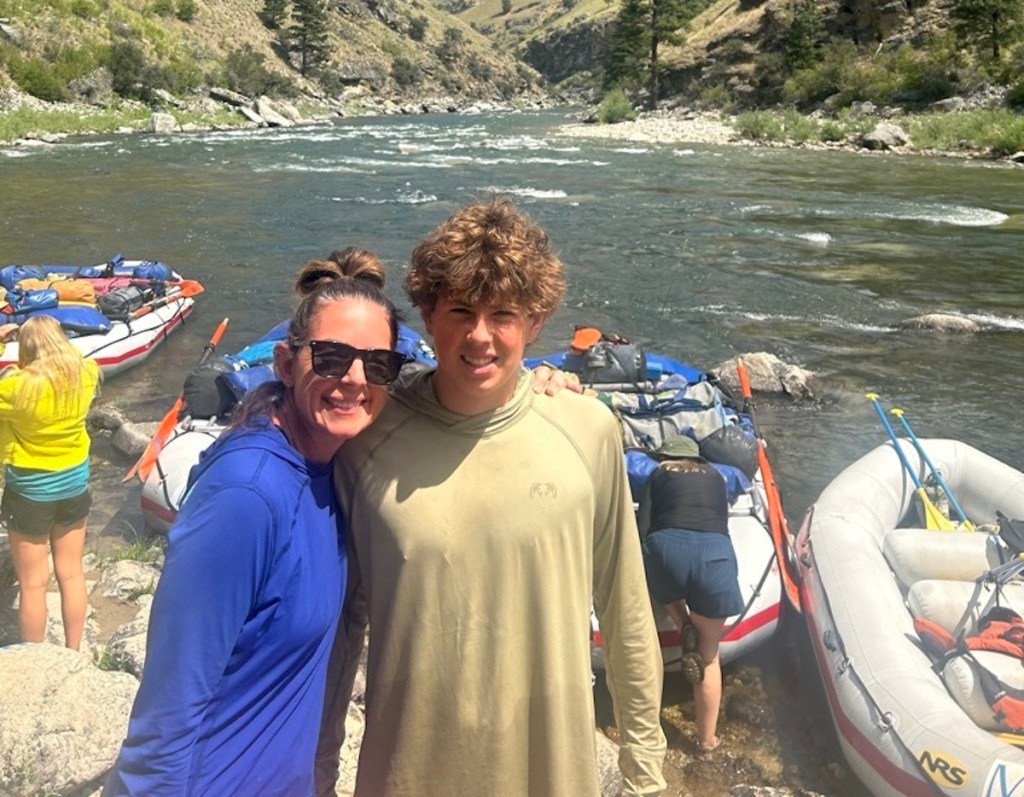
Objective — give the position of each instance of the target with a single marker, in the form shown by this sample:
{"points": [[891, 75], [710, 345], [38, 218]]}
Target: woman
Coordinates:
{"points": [[245, 612], [43, 404], [691, 567]]}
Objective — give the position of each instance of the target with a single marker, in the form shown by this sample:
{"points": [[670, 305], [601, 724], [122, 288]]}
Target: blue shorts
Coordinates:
{"points": [[696, 566]]}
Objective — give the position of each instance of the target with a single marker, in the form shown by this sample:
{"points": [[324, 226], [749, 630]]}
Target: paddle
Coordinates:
{"points": [[181, 290], [777, 523], [931, 466], [934, 519], [156, 442]]}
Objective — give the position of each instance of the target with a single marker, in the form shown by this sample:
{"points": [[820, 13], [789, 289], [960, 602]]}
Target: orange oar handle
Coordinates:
{"points": [[741, 372], [163, 431], [777, 523]]}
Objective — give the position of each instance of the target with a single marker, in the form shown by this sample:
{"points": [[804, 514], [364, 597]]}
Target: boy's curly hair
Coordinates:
{"points": [[488, 252]]}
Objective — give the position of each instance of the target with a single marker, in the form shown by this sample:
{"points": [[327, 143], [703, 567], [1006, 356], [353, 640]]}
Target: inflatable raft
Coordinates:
{"points": [[668, 397], [117, 313], [913, 720]]}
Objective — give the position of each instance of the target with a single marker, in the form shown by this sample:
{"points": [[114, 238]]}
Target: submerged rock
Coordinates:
{"points": [[941, 322]]}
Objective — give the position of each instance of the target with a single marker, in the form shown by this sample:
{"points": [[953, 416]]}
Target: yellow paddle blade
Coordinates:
{"points": [[1015, 739], [934, 519]]}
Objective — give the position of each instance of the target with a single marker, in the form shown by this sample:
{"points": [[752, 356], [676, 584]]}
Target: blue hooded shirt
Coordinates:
{"points": [[241, 629]]}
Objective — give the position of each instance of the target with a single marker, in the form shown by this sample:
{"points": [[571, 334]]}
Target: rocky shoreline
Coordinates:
{"points": [[675, 126]]}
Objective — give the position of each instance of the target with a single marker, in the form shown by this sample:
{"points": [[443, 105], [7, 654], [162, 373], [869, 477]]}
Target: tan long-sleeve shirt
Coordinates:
{"points": [[481, 544]]}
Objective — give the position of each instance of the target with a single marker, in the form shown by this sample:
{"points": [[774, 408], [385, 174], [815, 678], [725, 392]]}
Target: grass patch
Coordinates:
{"points": [[148, 550], [1000, 131], [24, 122]]}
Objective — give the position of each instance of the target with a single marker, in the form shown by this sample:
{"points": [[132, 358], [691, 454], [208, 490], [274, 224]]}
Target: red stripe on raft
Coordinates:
{"points": [[897, 777], [164, 331], [157, 510], [670, 638]]}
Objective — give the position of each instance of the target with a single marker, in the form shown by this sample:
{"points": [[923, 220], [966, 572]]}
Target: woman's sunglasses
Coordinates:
{"points": [[332, 360]]}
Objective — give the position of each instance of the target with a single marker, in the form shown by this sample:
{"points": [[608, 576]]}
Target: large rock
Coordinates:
{"points": [[265, 108], [886, 135], [126, 649], [948, 323], [63, 720], [768, 374]]}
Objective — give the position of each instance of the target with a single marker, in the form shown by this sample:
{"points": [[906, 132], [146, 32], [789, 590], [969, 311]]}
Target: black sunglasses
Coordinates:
{"points": [[332, 360]]}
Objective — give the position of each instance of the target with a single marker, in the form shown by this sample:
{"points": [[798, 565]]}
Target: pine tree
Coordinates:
{"points": [[640, 29], [627, 47], [309, 33], [988, 23], [273, 13]]}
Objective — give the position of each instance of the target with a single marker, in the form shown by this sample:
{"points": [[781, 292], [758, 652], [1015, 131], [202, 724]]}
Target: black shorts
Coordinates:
{"points": [[37, 518]]}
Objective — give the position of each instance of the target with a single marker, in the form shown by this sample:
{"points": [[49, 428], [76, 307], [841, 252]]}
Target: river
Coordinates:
{"points": [[700, 252]]}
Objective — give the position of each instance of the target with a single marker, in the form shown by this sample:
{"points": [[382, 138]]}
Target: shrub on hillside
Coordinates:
{"points": [[245, 72], [404, 72], [418, 28], [187, 10], [35, 77], [615, 107]]}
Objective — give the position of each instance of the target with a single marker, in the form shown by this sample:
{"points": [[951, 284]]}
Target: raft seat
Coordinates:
{"points": [[945, 602], [918, 554]]}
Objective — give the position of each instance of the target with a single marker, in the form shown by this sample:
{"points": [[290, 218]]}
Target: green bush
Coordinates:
{"points": [[35, 76], [163, 8], [615, 107], [418, 28], [187, 10], [760, 126], [85, 9], [404, 72], [716, 95], [245, 72]]}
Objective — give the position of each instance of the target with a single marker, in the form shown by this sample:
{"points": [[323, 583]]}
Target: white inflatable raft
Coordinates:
{"points": [[909, 725]]}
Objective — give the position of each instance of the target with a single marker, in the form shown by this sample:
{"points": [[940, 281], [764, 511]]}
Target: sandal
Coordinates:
{"points": [[691, 662]]}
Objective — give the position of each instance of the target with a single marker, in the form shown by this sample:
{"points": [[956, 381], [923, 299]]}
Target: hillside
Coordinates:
{"points": [[737, 54], [390, 48]]}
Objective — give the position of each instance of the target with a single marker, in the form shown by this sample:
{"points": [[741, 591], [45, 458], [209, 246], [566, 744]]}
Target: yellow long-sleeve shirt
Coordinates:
{"points": [[481, 544], [50, 433]]}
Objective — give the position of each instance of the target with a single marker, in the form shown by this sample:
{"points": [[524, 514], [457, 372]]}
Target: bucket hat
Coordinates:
{"points": [[679, 447]]}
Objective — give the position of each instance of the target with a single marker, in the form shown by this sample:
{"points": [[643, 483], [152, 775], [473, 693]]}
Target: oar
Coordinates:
{"points": [[163, 431], [931, 466], [934, 519], [188, 289], [777, 523]]}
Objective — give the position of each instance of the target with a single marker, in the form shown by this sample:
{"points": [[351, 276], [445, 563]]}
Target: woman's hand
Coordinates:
{"points": [[551, 380]]}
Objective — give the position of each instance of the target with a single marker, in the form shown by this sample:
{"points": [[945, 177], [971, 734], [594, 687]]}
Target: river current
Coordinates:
{"points": [[696, 251]]}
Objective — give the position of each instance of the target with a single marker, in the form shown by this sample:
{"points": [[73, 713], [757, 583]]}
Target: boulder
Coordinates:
{"points": [[63, 720], [885, 136], [265, 108], [947, 323], [126, 580], [126, 648], [229, 97], [162, 123], [768, 374]]}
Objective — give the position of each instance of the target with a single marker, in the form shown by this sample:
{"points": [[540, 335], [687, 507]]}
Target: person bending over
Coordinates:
{"points": [[691, 567]]}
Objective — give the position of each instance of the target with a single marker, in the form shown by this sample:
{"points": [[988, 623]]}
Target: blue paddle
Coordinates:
{"points": [[931, 466], [934, 519]]}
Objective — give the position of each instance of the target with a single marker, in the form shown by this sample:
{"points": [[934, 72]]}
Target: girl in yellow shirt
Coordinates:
{"points": [[45, 447]]}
